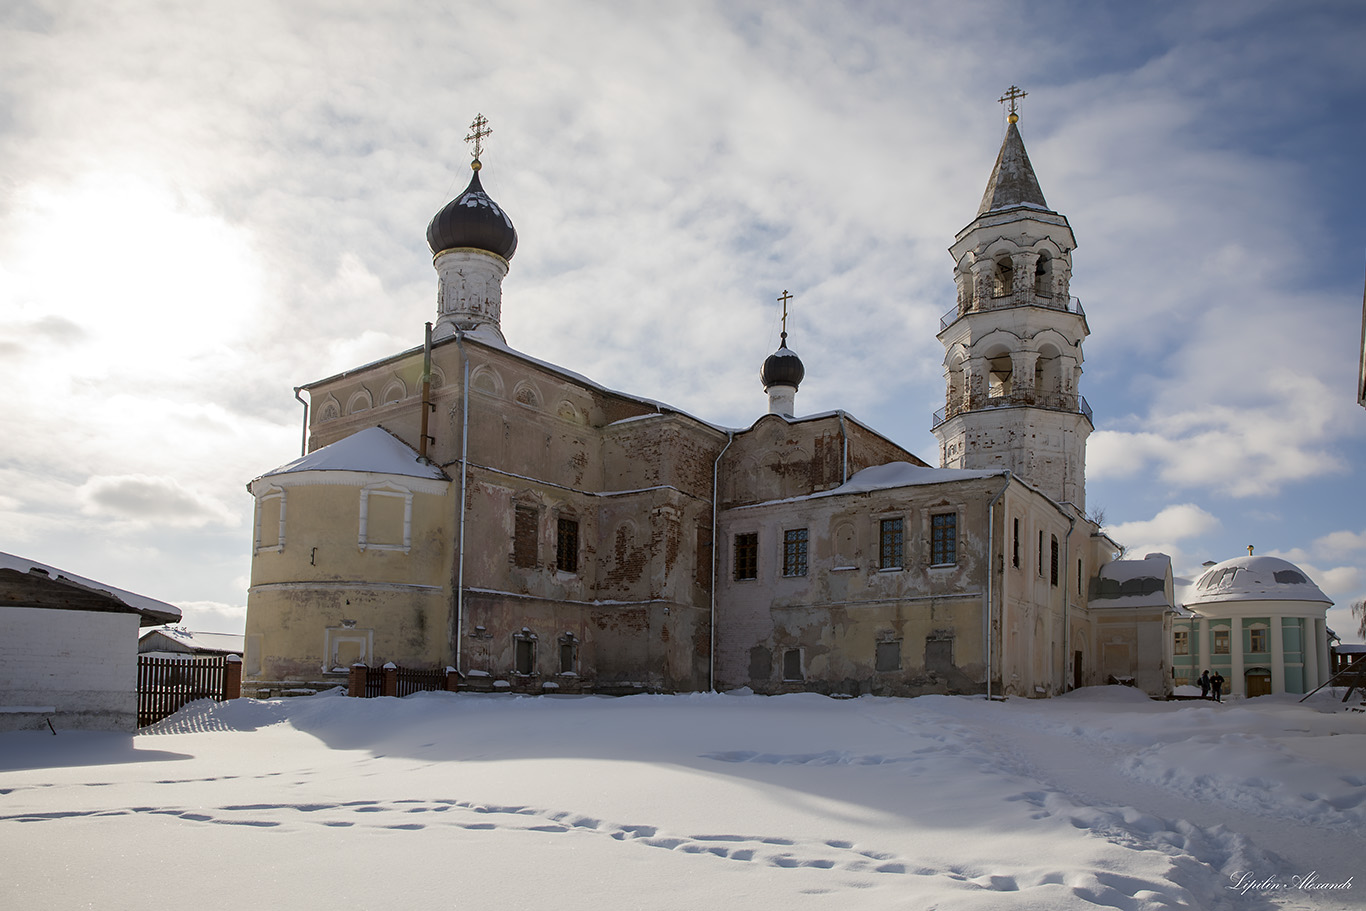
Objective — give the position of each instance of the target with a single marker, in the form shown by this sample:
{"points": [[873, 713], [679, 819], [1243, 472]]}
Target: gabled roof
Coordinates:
{"points": [[373, 449], [1012, 181], [223, 643], [27, 583]]}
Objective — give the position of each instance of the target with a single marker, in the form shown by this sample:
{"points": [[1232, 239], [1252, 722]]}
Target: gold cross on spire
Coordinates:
{"points": [[1013, 95], [785, 298], [479, 128]]}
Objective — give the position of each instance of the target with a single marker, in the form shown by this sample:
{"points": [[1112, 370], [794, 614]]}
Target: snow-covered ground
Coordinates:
{"points": [[1098, 799]]}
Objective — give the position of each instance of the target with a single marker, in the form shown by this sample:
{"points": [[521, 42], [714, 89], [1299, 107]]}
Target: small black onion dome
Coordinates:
{"points": [[782, 368], [473, 220]]}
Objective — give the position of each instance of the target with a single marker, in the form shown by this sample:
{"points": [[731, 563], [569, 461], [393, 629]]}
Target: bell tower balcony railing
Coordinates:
{"points": [[1037, 299], [1070, 403]]}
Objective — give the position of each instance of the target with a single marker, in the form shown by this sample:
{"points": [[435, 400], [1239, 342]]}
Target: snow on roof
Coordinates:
{"points": [[216, 642], [373, 449], [1254, 579], [150, 608], [904, 474], [890, 476], [1153, 566], [1133, 583]]}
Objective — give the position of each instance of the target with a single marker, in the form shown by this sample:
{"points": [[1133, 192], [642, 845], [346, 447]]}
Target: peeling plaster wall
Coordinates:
{"points": [[846, 604], [636, 482]]}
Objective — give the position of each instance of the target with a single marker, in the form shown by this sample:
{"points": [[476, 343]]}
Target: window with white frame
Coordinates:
{"points": [[270, 520], [386, 518]]}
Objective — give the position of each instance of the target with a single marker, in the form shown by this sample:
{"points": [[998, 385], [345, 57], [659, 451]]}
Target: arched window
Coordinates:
{"points": [[999, 370], [1003, 279], [1043, 276]]}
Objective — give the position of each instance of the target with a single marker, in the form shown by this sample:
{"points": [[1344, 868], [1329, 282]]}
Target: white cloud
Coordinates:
{"points": [[1341, 543], [212, 616], [1162, 532]]}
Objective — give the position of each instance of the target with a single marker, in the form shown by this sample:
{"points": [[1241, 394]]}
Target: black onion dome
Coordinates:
{"points": [[782, 368], [473, 220]]}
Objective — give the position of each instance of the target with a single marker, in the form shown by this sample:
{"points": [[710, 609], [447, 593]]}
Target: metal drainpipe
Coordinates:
{"points": [[423, 436], [1066, 623], [715, 555], [844, 454], [464, 471], [303, 443], [991, 571]]}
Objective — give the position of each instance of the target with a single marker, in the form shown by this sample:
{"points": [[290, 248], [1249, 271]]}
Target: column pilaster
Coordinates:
{"points": [[1277, 655]]}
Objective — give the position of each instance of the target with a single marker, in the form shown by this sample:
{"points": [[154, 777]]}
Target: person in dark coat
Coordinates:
{"points": [[1204, 685], [1217, 684]]}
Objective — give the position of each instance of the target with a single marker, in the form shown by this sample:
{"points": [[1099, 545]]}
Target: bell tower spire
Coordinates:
{"points": [[1013, 342]]}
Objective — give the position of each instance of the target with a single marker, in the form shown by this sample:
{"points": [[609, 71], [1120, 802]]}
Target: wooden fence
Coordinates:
{"points": [[166, 684], [391, 680]]}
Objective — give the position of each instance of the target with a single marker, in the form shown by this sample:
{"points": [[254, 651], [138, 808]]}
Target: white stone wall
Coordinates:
{"points": [[81, 664]]}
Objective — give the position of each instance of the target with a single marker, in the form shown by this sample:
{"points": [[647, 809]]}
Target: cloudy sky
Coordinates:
{"points": [[205, 205]]}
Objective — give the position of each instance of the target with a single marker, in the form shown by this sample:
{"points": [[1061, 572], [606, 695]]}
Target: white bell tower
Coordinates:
{"points": [[1013, 343]]}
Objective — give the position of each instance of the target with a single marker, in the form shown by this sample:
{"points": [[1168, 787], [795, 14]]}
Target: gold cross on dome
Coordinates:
{"points": [[785, 298], [479, 128], [1013, 95]]}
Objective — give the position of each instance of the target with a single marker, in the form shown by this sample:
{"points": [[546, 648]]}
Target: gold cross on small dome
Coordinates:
{"points": [[479, 128], [1013, 95]]}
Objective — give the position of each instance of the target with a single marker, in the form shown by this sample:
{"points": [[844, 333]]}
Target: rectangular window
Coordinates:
{"points": [[1221, 642], [889, 655], [524, 537], [525, 648], [747, 556], [270, 522], [567, 649], [1041, 552], [1053, 561], [792, 664], [1258, 640], [567, 546], [794, 552], [1015, 546], [1182, 642], [892, 548], [944, 539], [384, 517], [1079, 586]]}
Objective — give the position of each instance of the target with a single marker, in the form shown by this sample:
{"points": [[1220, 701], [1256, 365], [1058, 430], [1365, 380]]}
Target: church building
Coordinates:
{"points": [[465, 504]]}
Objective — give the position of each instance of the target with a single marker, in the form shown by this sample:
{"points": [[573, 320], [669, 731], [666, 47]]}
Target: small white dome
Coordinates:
{"points": [[1255, 579]]}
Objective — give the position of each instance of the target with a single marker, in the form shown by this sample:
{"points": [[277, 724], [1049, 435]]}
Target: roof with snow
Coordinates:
{"points": [[28, 583], [1012, 180], [373, 449], [904, 474], [1133, 583], [892, 475], [782, 368], [214, 643], [1254, 579]]}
